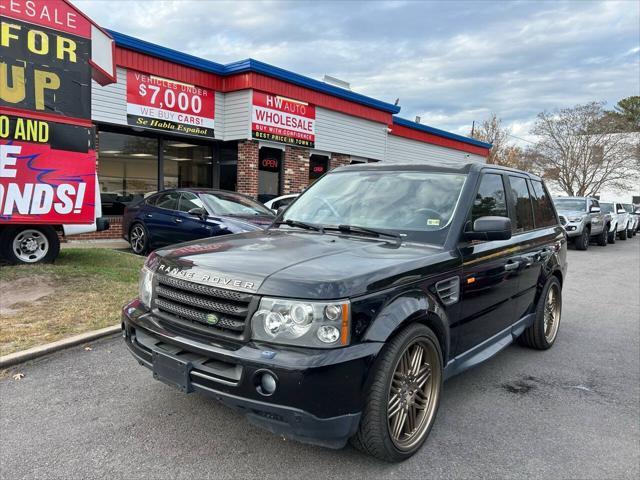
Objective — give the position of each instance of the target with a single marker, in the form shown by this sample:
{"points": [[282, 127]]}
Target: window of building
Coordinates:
{"points": [[186, 164], [127, 169], [522, 201], [491, 199], [318, 166], [227, 178], [542, 206]]}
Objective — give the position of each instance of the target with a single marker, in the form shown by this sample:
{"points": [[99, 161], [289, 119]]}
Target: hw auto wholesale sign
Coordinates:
{"points": [[163, 104], [47, 167], [284, 120]]}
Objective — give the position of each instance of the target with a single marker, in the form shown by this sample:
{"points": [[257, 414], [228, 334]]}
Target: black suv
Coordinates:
{"points": [[343, 318]]}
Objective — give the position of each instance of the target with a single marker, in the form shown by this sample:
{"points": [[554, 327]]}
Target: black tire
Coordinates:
{"points": [[611, 238], [623, 234], [139, 247], [373, 436], [602, 238], [582, 242], [535, 336], [29, 244]]}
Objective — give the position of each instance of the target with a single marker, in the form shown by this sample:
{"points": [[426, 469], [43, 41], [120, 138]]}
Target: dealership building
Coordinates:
{"points": [[175, 120]]}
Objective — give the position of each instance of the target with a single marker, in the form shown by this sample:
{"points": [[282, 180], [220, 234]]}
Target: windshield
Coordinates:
{"points": [[418, 204], [570, 204], [229, 204], [606, 207]]}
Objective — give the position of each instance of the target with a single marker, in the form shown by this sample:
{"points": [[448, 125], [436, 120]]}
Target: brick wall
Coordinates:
{"points": [[296, 169], [248, 167], [339, 160], [114, 232]]}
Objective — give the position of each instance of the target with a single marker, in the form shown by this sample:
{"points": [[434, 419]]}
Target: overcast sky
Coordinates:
{"points": [[449, 62]]}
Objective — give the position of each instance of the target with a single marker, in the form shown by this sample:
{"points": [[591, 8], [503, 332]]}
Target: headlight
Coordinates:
{"points": [[302, 323], [575, 219], [145, 286]]}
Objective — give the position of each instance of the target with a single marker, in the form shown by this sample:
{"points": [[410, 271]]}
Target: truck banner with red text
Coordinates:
{"points": [[284, 120], [163, 104], [47, 152]]}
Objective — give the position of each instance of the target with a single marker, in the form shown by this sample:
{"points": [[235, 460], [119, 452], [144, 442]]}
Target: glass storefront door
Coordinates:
{"points": [[186, 165], [270, 162]]}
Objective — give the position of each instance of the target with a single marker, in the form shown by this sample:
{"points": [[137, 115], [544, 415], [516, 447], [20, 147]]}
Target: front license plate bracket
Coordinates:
{"points": [[172, 370]]}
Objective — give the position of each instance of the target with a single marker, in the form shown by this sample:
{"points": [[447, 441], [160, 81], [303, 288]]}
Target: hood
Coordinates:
{"points": [[302, 265], [571, 213], [247, 223]]}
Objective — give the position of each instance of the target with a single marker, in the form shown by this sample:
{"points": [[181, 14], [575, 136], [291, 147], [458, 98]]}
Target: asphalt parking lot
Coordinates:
{"points": [[571, 412]]}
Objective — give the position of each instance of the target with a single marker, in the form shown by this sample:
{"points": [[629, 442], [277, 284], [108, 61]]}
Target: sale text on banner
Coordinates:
{"points": [[283, 120], [44, 70], [47, 172], [163, 104]]}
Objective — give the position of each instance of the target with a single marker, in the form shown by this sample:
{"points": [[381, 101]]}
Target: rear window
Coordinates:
{"points": [[543, 211]]}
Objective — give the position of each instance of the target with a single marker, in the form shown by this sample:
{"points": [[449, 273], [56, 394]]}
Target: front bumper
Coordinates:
{"points": [[319, 395], [574, 229]]}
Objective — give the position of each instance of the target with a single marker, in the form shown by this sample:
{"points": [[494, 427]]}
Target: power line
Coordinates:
{"points": [[520, 138]]}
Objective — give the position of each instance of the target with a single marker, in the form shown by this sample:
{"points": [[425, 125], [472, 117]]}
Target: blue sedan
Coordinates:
{"points": [[180, 215]]}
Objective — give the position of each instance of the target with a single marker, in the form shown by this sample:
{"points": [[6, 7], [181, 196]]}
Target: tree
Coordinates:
{"points": [[581, 150], [502, 152], [627, 111]]}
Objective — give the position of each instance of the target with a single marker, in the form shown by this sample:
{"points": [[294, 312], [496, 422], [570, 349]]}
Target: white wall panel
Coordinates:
{"points": [[340, 133], [109, 103], [407, 150], [237, 115]]}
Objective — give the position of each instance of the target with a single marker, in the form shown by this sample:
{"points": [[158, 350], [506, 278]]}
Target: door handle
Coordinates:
{"points": [[148, 215], [177, 220], [511, 265]]}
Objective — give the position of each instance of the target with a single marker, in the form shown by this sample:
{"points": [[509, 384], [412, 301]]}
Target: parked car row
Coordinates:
{"points": [[587, 219]]}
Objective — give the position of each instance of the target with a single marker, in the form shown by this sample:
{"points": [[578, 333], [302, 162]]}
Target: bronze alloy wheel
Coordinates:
{"points": [[413, 393], [552, 313]]}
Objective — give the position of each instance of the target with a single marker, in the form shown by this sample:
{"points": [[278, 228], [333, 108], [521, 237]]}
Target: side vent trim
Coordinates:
{"points": [[449, 290]]}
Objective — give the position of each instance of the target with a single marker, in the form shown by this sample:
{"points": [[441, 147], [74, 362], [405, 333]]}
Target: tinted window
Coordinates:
{"points": [[168, 200], [230, 204], [491, 199], [189, 201], [606, 207], [524, 212], [542, 207]]}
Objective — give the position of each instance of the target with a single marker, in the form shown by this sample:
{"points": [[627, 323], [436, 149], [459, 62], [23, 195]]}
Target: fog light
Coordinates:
{"points": [[268, 384]]}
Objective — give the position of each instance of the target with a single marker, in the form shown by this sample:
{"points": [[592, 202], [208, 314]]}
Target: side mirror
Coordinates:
{"points": [[490, 228], [594, 209], [198, 212]]}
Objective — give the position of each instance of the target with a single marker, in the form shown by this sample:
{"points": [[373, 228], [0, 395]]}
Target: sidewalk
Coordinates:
{"points": [[116, 244]]}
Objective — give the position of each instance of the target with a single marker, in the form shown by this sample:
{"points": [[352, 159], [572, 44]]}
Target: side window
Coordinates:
{"points": [[491, 199], [522, 201], [168, 200], [542, 206], [595, 203], [152, 200], [189, 201]]}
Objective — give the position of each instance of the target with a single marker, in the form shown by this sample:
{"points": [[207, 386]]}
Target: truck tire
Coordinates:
{"points": [[544, 331], [623, 234], [29, 244], [612, 235], [582, 242], [403, 397], [139, 238], [602, 238]]}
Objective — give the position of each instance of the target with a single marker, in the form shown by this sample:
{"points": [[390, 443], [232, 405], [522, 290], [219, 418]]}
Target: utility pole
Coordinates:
{"points": [[473, 127]]}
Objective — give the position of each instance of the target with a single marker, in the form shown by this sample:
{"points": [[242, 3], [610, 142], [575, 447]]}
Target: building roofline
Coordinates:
{"points": [[247, 65], [441, 133]]}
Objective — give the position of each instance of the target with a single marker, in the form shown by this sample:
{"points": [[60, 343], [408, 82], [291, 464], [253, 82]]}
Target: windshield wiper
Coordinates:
{"points": [[370, 231], [299, 224]]}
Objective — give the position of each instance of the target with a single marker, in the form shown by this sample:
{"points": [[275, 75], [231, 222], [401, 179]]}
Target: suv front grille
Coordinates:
{"points": [[203, 309]]}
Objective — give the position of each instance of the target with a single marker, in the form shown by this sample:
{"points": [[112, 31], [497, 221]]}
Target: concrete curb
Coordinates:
{"points": [[41, 350]]}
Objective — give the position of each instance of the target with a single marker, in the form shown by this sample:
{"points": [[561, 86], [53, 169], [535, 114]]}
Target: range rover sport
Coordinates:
{"points": [[343, 318]]}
